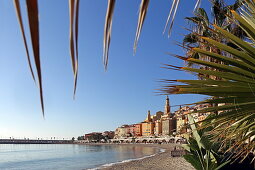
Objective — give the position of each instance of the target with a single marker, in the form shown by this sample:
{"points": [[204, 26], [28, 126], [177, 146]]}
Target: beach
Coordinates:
{"points": [[159, 161]]}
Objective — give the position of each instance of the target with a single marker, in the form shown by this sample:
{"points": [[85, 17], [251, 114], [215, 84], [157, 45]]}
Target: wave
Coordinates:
{"points": [[128, 160]]}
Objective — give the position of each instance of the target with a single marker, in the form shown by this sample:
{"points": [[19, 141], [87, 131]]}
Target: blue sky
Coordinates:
{"points": [[105, 100]]}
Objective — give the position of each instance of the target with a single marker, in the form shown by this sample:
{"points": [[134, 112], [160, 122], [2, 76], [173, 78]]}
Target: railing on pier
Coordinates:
{"points": [[33, 141]]}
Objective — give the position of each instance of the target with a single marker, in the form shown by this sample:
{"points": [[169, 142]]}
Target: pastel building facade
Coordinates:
{"points": [[182, 117], [163, 123], [131, 130], [148, 126], [138, 129], [168, 126], [121, 131], [168, 120], [158, 128]]}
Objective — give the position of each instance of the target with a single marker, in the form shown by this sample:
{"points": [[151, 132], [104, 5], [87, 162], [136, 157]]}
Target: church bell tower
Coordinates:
{"points": [[148, 119], [167, 106]]}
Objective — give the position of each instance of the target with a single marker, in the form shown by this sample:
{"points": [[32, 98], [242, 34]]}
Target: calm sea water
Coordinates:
{"points": [[65, 156]]}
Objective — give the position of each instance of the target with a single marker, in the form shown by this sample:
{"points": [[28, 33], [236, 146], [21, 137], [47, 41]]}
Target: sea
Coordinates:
{"points": [[69, 156]]}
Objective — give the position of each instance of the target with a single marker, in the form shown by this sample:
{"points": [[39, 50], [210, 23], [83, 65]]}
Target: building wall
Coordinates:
{"points": [[138, 129], [108, 134], [158, 128], [168, 126], [122, 131], [173, 125], [118, 132], [165, 127], [93, 136], [157, 116], [179, 123], [147, 128], [184, 122], [131, 130]]}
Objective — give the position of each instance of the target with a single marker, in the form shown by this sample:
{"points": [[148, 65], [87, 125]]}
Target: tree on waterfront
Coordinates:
{"points": [[80, 138], [201, 27], [94, 137]]}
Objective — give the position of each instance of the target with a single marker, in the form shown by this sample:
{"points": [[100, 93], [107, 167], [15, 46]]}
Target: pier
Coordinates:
{"points": [[34, 141]]}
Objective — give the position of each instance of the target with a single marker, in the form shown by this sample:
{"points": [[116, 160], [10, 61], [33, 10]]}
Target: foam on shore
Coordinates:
{"points": [[161, 150]]}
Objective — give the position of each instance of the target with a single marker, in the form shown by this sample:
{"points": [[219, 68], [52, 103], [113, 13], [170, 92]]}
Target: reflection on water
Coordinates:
{"points": [[66, 156]]}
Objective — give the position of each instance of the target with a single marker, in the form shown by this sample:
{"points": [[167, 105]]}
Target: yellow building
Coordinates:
{"points": [[157, 116], [181, 124], [182, 118], [158, 128], [121, 131], [148, 126]]}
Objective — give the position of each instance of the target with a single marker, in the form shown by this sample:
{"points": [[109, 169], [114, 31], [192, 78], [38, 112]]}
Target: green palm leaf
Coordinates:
{"points": [[234, 118]]}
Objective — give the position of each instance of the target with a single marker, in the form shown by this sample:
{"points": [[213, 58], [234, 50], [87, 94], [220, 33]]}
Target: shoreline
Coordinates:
{"points": [[158, 161]]}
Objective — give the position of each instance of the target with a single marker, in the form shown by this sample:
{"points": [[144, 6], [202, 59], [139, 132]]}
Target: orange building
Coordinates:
{"points": [[148, 126], [138, 129], [131, 130]]}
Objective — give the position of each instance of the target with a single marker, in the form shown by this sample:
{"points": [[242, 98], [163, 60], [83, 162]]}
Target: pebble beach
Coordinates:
{"points": [[159, 161]]}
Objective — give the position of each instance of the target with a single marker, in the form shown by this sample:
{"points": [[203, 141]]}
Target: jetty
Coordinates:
{"points": [[34, 141]]}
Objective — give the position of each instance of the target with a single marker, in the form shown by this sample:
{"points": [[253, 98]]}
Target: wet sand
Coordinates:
{"points": [[161, 161]]}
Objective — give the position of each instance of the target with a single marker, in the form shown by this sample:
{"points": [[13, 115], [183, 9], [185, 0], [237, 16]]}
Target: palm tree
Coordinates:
{"points": [[234, 125], [201, 27]]}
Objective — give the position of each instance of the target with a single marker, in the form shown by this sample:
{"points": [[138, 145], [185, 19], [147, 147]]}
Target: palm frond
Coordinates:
{"points": [[172, 14], [142, 15], [74, 19], [234, 92], [107, 31], [32, 10], [18, 11], [76, 43]]}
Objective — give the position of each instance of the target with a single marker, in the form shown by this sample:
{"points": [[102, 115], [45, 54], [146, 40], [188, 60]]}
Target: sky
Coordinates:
{"points": [[104, 100]]}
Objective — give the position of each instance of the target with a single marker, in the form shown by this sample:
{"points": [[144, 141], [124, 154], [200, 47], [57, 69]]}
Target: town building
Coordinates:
{"points": [[138, 129], [148, 126], [182, 121], [131, 129], [168, 120], [108, 134], [93, 137], [163, 123], [168, 126], [122, 131], [182, 117], [157, 116], [158, 128]]}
